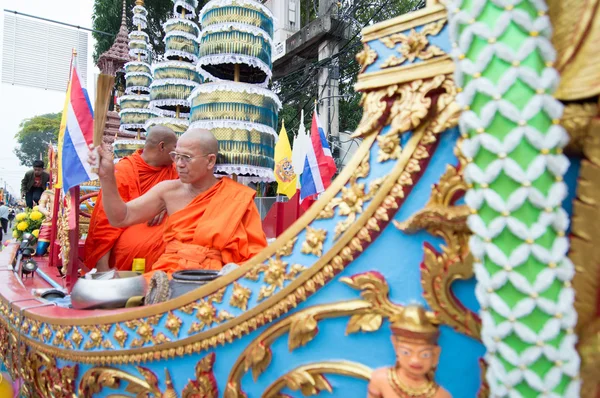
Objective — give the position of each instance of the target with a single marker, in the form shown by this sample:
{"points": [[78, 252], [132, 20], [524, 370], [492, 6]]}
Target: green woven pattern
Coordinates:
{"points": [[513, 143]]}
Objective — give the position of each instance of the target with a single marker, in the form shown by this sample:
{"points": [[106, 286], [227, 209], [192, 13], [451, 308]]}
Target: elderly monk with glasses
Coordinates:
{"points": [[108, 246], [211, 222]]}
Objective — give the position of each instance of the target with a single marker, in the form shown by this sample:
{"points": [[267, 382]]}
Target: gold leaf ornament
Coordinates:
{"points": [[313, 243], [302, 330], [368, 322], [258, 359], [366, 57], [308, 384], [240, 296]]}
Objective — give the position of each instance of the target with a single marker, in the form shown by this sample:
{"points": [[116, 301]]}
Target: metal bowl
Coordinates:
{"points": [[97, 293]]}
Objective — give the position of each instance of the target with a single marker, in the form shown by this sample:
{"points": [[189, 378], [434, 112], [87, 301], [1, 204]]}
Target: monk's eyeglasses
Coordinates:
{"points": [[184, 158]]}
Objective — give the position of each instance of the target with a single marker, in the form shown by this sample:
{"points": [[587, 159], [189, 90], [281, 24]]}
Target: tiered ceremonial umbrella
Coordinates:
{"points": [[134, 104], [176, 78], [235, 55]]}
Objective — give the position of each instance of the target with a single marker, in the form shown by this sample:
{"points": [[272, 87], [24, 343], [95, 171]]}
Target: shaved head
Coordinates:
{"points": [[203, 139], [158, 134]]}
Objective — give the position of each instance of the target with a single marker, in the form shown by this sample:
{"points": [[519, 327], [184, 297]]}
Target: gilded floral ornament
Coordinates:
{"points": [[206, 313], [120, 335], [413, 45], [95, 338], [96, 379], [275, 272], [205, 384], [352, 199], [173, 324], [403, 106], [389, 147], [76, 337], [310, 379], [313, 244], [309, 384], [240, 296], [366, 57]]}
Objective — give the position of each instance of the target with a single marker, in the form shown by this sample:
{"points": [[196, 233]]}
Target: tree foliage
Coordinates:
{"points": [[298, 90], [34, 136], [107, 18]]}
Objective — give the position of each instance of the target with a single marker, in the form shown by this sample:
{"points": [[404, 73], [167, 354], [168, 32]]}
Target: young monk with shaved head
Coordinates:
{"points": [[108, 246], [211, 221]]}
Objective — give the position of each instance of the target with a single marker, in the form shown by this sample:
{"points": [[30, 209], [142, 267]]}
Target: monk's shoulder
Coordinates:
{"points": [[169, 185], [236, 187]]}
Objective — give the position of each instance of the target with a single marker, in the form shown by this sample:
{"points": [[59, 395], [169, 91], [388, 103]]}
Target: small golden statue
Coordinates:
{"points": [[414, 336]]}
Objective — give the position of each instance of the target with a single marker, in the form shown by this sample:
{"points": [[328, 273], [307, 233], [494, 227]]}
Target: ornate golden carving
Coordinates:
{"points": [[275, 274], [240, 296], [173, 324], [47, 379], [439, 270], [352, 199], [310, 379], [206, 313], [366, 57], [302, 328], [402, 106], [414, 45], [96, 379], [313, 244], [585, 254], [95, 337], [389, 147], [576, 32], [205, 385], [589, 350], [120, 335], [576, 120], [76, 337]]}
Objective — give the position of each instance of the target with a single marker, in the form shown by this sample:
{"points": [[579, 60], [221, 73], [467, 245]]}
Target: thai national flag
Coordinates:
{"points": [[75, 135], [319, 166]]}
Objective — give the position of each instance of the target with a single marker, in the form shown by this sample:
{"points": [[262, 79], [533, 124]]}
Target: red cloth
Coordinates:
{"points": [[134, 178], [220, 226], [37, 182]]}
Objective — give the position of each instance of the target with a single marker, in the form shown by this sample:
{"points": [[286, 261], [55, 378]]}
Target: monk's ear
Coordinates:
{"points": [[212, 160]]}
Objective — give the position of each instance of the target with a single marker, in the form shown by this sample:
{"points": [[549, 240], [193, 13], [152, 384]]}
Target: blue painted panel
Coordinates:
{"points": [[571, 178]]}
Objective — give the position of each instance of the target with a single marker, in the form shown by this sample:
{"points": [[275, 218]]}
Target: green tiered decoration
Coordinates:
{"points": [[175, 79], [235, 54], [134, 104], [513, 144]]}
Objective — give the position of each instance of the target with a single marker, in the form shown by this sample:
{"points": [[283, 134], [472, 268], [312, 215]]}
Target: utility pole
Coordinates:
{"points": [[328, 80]]}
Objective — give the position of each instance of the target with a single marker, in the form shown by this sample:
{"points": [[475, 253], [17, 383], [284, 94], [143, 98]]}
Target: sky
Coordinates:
{"points": [[18, 102]]}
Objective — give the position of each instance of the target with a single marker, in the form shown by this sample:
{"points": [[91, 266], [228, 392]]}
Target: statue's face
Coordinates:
{"points": [[417, 360]]}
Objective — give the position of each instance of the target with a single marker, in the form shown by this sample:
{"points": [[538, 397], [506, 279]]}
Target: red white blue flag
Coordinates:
{"points": [[75, 135], [319, 166]]}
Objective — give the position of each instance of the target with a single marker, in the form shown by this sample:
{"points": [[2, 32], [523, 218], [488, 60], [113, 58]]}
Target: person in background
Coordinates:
{"points": [[3, 219], [11, 216], [34, 183]]}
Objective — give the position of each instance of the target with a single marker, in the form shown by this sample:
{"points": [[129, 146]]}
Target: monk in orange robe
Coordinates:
{"points": [[211, 221], [107, 246]]}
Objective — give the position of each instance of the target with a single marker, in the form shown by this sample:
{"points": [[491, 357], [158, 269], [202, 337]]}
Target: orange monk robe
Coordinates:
{"points": [[220, 226], [134, 178]]}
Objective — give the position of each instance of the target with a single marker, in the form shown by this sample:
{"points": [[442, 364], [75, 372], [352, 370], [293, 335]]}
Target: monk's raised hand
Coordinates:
{"points": [[101, 157]]}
